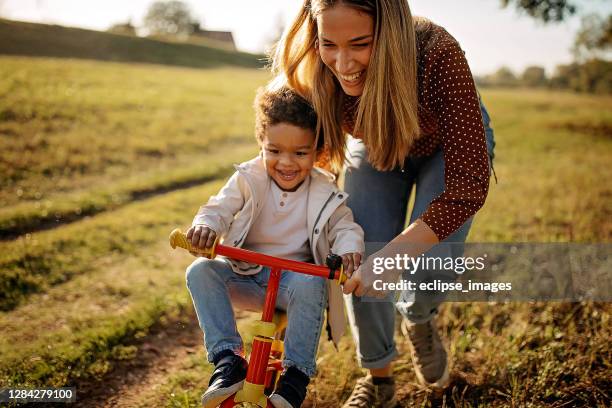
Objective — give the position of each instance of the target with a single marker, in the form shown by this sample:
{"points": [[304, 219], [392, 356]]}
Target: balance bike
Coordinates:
{"points": [[264, 364]]}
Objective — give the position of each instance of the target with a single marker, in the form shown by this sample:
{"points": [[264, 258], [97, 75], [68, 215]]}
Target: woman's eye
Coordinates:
{"points": [[273, 151], [361, 45], [328, 45]]}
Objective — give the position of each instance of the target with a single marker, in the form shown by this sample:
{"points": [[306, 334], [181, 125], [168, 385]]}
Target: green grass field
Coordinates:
{"points": [[100, 160]]}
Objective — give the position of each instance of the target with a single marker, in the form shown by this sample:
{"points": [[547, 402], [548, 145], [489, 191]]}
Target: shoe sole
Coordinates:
{"points": [[216, 397], [279, 402], [439, 385]]}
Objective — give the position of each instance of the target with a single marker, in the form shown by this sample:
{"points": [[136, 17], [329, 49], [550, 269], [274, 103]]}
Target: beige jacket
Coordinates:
{"points": [[330, 223]]}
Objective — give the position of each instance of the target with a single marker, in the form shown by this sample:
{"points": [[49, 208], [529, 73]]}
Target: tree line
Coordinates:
{"points": [[590, 72]]}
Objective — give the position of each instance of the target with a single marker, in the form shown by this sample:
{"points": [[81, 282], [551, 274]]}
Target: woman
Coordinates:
{"points": [[402, 88]]}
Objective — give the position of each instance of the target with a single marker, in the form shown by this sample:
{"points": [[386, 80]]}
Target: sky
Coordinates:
{"points": [[491, 36]]}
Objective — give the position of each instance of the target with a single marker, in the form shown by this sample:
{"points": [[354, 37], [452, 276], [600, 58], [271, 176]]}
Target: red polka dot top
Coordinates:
{"points": [[450, 120]]}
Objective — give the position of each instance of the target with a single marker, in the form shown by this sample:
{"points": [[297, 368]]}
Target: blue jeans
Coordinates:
{"points": [[379, 201], [215, 287]]}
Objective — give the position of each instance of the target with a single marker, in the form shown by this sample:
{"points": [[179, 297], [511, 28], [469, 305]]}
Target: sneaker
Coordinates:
{"points": [[428, 354], [291, 389], [227, 379], [366, 394]]}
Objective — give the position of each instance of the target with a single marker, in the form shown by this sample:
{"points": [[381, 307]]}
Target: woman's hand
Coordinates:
{"points": [[415, 240], [201, 237], [361, 283], [351, 262]]}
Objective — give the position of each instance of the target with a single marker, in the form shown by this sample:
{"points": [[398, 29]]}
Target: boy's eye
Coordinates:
{"points": [[301, 153], [273, 151]]}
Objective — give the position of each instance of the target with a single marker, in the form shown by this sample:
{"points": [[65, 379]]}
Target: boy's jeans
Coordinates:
{"points": [[215, 287], [379, 201]]}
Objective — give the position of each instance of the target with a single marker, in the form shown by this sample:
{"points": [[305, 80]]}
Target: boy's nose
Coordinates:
{"points": [[285, 159]]}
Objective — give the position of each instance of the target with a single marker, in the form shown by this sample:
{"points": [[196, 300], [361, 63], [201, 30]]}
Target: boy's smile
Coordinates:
{"points": [[289, 154]]}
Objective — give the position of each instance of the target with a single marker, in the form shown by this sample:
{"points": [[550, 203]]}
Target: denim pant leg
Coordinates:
{"points": [[379, 201], [304, 298], [421, 306], [214, 287]]}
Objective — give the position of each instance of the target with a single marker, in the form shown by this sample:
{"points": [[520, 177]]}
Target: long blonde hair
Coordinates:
{"points": [[387, 115]]}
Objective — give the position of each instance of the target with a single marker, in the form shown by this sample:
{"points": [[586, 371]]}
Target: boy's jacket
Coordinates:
{"points": [[330, 223]]}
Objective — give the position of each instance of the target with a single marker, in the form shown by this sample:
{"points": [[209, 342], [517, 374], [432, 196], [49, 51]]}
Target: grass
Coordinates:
{"points": [[124, 143], [123, 281], [550, 161], [61, 208], [30, 39], [67, 126]]}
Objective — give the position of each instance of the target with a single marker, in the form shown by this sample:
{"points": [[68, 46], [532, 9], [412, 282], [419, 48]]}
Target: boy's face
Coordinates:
{"points": [[288, 154]]}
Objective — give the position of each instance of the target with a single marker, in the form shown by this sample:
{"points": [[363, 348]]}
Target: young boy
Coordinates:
{"points": [[277, 204]]}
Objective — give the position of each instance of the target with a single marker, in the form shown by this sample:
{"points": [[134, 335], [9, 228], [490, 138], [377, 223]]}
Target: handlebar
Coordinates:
{"points": [[334, 270]]}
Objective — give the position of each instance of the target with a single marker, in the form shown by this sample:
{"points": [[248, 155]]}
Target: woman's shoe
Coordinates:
{"points": [[429, 357], [366, 394]]}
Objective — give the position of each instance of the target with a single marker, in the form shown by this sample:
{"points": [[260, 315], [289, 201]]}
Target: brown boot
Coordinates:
{"points": [[428, 354], [367, 395]]}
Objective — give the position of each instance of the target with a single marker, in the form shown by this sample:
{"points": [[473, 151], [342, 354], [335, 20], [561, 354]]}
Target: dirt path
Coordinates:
{"points": [[133, 383]]}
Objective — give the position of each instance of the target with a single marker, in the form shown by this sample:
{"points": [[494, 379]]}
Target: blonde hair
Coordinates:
{"points": [[387, 115]]}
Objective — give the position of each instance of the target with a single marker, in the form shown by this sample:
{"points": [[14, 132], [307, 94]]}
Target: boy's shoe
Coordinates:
{"points": [[366, 394], [291, 389], [227, 379], [428, 354]]}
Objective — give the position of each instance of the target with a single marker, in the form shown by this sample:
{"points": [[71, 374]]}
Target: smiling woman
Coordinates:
{"points": [[402, 89]]}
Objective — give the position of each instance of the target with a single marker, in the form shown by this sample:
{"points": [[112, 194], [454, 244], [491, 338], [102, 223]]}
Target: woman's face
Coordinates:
{"points": [[345, 42]]}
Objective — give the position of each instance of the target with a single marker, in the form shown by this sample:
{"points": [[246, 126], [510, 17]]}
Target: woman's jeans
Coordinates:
{"points": [[215, 287], [379, 201]]}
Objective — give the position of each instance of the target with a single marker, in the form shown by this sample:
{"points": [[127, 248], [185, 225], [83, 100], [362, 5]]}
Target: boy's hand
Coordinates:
{"points": [[351, 262], [201, 237]]}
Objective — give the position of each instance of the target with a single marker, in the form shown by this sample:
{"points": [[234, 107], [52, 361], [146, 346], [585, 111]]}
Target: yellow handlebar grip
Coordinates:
{"points": [[178, 239], [342, 276]]}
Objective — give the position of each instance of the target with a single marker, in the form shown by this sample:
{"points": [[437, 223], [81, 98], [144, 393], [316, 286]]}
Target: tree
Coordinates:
{"points": [[545, 10], [594, 39], [169, 18], [502, 77], [534, 76]]}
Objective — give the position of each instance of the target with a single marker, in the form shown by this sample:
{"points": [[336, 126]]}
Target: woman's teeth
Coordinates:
{"points": [[351, 77]]}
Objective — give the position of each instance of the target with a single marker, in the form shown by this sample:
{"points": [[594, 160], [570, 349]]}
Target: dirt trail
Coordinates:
{"points": [[133, 383]]}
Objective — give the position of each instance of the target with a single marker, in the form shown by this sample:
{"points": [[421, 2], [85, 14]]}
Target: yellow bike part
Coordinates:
{"points": [[178, 239]]}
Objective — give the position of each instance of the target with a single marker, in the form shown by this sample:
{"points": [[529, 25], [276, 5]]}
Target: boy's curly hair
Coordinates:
{"points": [[283, 105]]}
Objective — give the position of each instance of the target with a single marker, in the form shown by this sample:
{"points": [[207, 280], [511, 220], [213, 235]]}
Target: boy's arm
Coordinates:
{"points": [[218, 213], [345, 235]]}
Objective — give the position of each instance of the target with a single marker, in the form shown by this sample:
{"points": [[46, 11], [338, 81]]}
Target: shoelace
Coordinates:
{"points": [[364, 393], [418, 339]]}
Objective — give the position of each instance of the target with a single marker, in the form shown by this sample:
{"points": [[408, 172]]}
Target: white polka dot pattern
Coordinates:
{"points": [[450, 119]]}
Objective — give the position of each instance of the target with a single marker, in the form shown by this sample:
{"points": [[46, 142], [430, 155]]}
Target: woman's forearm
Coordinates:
{"points": [[415, 240]]}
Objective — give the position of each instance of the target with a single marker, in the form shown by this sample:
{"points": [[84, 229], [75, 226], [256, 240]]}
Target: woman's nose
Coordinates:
{"points": [[343, 61]]}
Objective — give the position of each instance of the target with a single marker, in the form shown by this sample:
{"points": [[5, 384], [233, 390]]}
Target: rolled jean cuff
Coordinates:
{"points": [[309, 371], [380, 362], [236, 348]]}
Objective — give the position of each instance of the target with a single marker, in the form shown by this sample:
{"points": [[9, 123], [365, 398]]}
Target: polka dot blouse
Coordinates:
{"points": [[450, 120]]}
